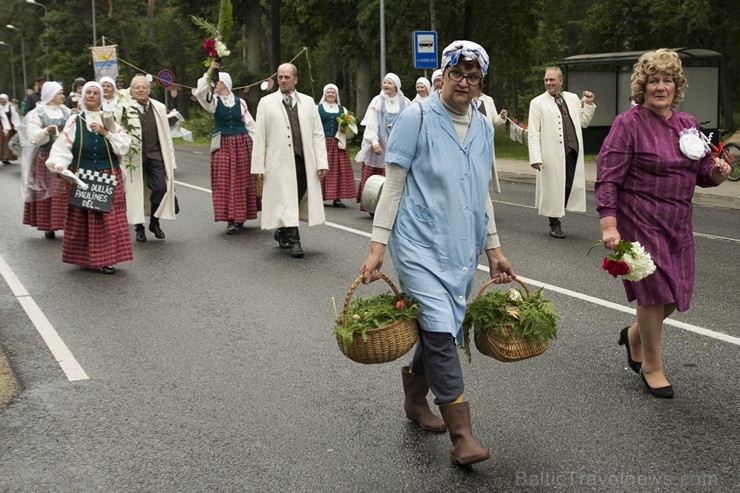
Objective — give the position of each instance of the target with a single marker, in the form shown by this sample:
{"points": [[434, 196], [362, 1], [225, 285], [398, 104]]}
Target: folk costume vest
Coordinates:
{"points": [[46, 121], [295, 126], [149, 135], [228, 120], [92, 151], [329, 120], [570, 140]]}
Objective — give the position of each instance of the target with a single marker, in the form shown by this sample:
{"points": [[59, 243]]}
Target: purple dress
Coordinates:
{"points": [[645, 181]]}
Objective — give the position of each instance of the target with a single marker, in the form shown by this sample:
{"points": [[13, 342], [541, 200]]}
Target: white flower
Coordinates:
{"points": [[640, 263], [221, 49], [691, 144], [514, 295]]}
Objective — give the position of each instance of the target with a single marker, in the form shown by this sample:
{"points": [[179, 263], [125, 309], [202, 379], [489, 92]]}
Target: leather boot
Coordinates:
{"points": [[140, 234], [465, 450], [294, 239], [415, 389], [280, 238], [154, 228]]}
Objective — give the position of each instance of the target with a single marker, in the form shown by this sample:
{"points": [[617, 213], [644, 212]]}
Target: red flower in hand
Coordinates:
{"points": [[400, 304], [621, 268]]}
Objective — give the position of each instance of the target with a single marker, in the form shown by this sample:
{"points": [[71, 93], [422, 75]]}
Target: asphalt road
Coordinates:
{"points": [[211, 366]]}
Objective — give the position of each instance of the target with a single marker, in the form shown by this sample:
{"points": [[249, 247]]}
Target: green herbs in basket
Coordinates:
{"points": [[373, 312], [509, 312]]}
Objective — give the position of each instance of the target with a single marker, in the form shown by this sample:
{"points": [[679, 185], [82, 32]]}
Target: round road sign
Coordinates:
{"points": [[165, 78]]}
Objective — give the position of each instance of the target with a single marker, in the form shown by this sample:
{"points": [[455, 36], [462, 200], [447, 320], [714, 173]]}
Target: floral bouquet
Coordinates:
{"points": [[214, 44], [630, 261], [347, 128]]}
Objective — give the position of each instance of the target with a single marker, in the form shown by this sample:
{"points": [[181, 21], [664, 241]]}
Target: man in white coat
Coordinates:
{"points": [[150, 181], [556, 149], [289, 157]]}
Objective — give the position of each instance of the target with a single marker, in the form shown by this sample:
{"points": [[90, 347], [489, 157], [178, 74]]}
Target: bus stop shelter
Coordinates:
{"points": [[608, 76]]}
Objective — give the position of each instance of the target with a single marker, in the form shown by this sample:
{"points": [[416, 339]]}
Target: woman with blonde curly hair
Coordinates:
{"points": [[647, 170]]}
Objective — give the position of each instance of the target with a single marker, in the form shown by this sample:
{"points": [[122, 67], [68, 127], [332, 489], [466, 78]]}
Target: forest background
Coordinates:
{"points": [[343, 42]]}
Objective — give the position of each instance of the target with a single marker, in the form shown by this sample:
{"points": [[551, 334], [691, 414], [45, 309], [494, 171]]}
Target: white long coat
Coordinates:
{"points": [[138, 203], [545, 133], [272, 156], [499, 124]]}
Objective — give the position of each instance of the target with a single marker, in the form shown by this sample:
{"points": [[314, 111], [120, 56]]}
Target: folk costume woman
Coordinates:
{"points": [[93, 239], [423, 89], [110, 96], [10, 121], [339, 182], [647, 171], [234, 199], [45, 194], [383, 110]]}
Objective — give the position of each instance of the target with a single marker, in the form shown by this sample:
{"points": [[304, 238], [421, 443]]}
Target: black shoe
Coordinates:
{"points": [[556, 232], [230, 228], [140, 233], [661, 392], [108, 270], [280, 238], [239, 225], [154, 228], [295, 250], [623, 341], [6, 162], [50, 235], [338, 203]]}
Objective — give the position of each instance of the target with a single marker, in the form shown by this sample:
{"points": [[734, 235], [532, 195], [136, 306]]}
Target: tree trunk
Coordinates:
{"points": [[432, 15], [628, 39], [468, 27], [254, 36], [274, 34], [364, 66], [150, 22]]}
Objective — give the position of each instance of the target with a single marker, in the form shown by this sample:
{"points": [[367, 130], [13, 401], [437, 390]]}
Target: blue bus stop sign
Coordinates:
{"points": [[425, 50]]}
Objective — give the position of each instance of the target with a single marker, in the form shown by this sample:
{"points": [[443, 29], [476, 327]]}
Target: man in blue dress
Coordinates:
{"points": [[436, 217]]}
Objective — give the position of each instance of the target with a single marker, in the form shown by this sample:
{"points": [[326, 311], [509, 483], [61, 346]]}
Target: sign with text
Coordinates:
{"points": [[425, 50], [98, 196]]}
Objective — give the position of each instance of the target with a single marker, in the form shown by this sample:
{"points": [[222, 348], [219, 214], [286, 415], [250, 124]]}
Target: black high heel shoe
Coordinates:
{"points": [[624, 341], [661, 392]]}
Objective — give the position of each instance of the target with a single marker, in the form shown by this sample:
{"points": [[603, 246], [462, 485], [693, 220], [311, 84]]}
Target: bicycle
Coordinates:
{"points": [[730, 152]]}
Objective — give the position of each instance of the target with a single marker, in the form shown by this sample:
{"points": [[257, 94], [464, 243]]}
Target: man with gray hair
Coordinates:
{"points": [[556, 149], [436, 217], [290, 160], [150, 184]]}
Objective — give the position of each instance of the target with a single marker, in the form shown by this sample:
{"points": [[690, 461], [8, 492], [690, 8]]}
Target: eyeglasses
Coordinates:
{"points": [[457, 76]]}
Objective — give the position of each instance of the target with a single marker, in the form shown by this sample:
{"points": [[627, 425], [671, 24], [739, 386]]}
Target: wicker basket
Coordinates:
{"points": [[383, 344], [508, 347]]}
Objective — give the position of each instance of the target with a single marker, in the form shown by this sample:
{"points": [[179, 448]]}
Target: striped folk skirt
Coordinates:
{"points": [[339, 182], [96, 240], [231, 180], [46, 199], [367, 172]]}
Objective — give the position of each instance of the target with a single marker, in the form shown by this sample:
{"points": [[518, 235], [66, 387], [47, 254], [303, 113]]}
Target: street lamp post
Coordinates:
{"points": [[46, 42], [12, 69], [23, 55]]}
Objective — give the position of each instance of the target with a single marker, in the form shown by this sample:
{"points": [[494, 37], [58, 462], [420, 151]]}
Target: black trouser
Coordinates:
{"points": [[300, 176], [571, 159], [156, 180], [436, 357]]}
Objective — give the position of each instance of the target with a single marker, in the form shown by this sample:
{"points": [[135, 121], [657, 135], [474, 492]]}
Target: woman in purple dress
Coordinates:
{"points": [[647, 170]]}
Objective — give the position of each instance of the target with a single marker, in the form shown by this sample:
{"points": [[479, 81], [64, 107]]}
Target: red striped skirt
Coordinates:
{"points": [[339, 182], [46, 203], [95, 240], [231, 180], [367, 172]]}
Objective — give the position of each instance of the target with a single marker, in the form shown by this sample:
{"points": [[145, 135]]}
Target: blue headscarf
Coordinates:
{"points": [[467, 51]]}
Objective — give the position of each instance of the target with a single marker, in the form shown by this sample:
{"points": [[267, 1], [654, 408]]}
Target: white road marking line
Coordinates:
{"points": [[713, 237], [574, 294], [56, 345], [193, 186]]}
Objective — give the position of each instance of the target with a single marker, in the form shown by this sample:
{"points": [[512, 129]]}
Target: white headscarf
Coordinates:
{"points": [[92, 85], [330, 86], [109, 80], [393, 78], [436, 75], [425, 81], [226, 79], [50, 90]]}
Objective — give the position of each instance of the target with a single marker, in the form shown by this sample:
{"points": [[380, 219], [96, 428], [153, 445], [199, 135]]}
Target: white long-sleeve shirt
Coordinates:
{"points": [[203, 88]]}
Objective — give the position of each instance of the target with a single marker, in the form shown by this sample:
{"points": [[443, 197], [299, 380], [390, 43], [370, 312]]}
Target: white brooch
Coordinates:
{"points": [[691, 144]]}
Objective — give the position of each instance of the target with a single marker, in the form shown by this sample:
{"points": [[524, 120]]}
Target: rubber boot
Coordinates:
{"points": [[465, 450], [415, 389]]}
